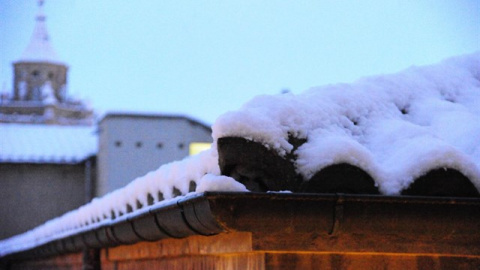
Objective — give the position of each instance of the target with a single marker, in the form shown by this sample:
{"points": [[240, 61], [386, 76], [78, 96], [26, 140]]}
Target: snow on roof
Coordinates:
{"points": [[40, 49], [30, 143], [395, 127], [168, 184]]}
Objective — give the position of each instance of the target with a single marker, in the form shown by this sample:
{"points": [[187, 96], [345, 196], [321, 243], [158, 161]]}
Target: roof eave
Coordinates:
{"points": [[286, 221]]}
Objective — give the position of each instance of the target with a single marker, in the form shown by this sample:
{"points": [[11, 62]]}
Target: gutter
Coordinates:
{"points": [[336, 222]]}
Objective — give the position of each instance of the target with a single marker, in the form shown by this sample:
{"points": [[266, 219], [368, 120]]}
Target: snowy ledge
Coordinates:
{"points": [[322, 217], [393, 127], [162, 188]]}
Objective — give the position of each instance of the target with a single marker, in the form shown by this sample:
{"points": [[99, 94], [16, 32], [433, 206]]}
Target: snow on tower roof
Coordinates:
{"points": [[40, 49], [29, 143]]}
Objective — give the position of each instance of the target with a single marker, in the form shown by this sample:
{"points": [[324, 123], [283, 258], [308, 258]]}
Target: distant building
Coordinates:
{"points": [[49, 142], [40, 86], [46, 170], [130, 145]]}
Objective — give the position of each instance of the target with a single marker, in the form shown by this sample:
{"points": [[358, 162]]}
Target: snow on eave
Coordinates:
{"points": [[173, 181], [46, 159]]}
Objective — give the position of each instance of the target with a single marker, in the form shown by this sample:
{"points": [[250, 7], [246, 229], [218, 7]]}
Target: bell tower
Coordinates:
{"points": [[40, 85], [39, 65]]}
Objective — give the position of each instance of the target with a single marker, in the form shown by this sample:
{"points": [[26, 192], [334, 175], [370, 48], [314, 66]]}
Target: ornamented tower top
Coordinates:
{"points": [[39, 49], [40, 85]]}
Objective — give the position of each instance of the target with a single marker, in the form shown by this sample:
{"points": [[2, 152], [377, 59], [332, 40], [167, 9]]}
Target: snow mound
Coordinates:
{"points": [[395, 127]]}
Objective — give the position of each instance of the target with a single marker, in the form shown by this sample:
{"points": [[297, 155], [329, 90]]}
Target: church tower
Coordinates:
{"points": [[40, 85]]}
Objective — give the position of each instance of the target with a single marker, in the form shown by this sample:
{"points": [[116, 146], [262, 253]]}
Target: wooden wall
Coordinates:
{"points": [[235, 251]]}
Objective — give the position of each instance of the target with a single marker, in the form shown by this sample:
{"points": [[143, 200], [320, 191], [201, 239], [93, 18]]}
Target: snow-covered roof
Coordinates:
{"points": [[30, 143], [394, 127], [39, 48]]}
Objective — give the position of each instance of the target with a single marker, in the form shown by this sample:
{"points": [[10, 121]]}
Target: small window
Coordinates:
{"points": [[118, 143], [138, 144], [197, 147], [50, 75], [35, 73], [159, 145], [181, 145]]}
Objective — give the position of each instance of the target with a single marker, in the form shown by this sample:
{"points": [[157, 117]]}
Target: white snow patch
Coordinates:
{"points": [[39, 48], [212, 182], [21, 143]]}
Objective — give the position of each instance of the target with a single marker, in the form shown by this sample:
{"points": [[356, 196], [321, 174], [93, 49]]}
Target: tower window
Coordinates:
{"points": [[181, 145], [50, 75], [138, 144], [159, 145], [37, 93], [35, 73], [118, 143]]}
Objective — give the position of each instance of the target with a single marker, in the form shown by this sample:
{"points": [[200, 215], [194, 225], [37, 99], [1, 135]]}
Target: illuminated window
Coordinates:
{"points": [[197, 147]]}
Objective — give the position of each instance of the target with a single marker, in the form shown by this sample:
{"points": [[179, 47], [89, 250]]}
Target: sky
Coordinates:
{"points": [[204, 58]]}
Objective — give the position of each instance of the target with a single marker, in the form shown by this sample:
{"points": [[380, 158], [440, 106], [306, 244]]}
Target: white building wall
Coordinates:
{"points": [[131, 145]]}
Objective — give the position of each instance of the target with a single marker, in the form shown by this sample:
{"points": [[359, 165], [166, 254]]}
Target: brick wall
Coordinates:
{"points": [[236, 251]]}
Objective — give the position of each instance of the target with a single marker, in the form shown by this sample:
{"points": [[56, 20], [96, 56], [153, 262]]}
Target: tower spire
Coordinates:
{"points": [[40, 14], [39, 85], [39, 48]]}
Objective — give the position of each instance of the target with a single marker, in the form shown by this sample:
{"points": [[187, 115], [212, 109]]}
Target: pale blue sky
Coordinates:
{"points": [[203, 58]]}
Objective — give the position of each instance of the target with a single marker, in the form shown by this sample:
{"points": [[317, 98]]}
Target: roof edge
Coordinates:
{"points": [[120, 114], [340, 216]]}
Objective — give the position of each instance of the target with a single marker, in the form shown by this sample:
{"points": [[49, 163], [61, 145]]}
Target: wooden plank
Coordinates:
{"points": [[243, 261], [347, 261], [222, 243], [70, 261], [347, 242]]}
